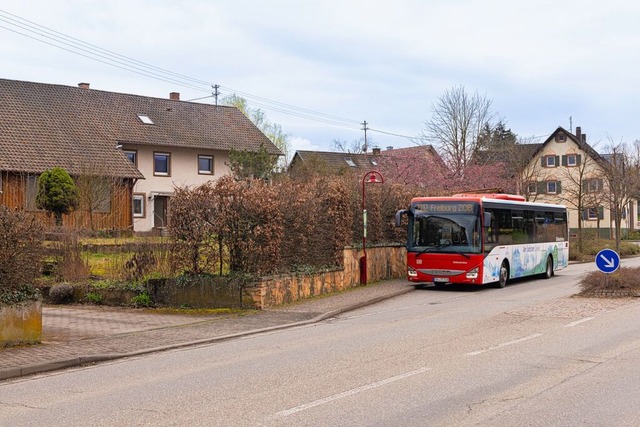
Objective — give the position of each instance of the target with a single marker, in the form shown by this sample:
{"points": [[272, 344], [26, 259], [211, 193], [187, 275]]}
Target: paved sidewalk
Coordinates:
{"points": [[77, 335]]}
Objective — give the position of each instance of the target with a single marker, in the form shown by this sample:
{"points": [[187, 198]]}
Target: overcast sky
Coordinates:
{"points": [[333, 64]]}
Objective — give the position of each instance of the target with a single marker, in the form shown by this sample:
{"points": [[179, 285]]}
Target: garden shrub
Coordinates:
{"points": [[93, 298], [69, 261], [623, 282], [61, 294], [142, 300], [21, 255]]}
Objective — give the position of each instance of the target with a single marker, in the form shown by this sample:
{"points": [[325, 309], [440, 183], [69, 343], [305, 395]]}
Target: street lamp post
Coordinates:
{"points": [[371, 177]]}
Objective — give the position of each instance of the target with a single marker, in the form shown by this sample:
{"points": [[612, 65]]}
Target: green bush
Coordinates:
{"points": [[19, 294], [93, 298], [142, 300], [57, 193], [591, 247], [633, 235]]}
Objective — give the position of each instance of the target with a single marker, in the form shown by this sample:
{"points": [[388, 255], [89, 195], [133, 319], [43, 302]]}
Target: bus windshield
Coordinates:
{"points": [[446, 233]]}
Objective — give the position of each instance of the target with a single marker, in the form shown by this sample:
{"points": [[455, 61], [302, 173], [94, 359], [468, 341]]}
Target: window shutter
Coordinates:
{"points": [[600, 212], [584, 186], [557, 160], [542, 162], [564, 160], [585, 214], [578, 159], [542, 187], [558, 187], [600, 186]]}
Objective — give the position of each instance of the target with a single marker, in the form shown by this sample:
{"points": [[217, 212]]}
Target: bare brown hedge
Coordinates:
{"points": [[622, 283], [21, 249], [261, 228]]}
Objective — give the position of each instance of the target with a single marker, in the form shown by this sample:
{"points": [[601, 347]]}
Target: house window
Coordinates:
{"points": [[572, 160], [162, 164], [593, 185], [550, 161], [552, 187], [132, 155], [532, 188], [592, 213], [560, 137], [205, 165], [145, 119], [350, 162], [138, 205]]}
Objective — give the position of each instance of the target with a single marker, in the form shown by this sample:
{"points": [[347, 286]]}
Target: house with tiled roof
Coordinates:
{"points": [[565, 169], [337, 163], [145, 146]]}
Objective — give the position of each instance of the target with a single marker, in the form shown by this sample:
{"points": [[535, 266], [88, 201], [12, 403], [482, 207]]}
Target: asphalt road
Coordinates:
{"points": [[528, 354]]}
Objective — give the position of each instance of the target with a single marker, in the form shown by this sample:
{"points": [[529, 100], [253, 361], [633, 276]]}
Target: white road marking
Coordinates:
{"points": [[577, 322], [349, 393], [504, 344]]}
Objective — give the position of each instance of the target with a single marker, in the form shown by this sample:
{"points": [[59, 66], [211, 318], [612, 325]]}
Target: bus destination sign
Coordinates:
{"points": [[448, 207]]}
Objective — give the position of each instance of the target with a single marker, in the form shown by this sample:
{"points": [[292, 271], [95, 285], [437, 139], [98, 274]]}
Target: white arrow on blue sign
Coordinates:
{"points": [[607, 260]]}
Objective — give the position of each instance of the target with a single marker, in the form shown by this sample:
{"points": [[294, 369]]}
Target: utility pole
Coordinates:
{"points": [[365, 135], [216, 93]]}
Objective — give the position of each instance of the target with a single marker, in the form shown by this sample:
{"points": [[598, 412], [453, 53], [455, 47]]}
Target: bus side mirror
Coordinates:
{"points": [[487, 219], [399, 216]]}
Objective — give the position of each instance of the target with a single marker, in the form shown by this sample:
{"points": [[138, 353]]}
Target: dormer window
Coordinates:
{"points": [[350, 162], [561, 137], [145, 119]]}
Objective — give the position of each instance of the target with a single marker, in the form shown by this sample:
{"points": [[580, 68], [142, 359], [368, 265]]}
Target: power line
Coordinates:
{"points": [[394, 134]]}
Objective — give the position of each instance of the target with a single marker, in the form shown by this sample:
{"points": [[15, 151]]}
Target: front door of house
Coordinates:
{"points": [[160, 210]]}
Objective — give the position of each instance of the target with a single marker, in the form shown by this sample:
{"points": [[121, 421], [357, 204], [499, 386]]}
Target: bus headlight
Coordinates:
{"points": [[412, 272], [473, 273]]}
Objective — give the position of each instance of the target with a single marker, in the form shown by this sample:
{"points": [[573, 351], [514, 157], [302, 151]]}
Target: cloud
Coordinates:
{"points": [[303, 144]]}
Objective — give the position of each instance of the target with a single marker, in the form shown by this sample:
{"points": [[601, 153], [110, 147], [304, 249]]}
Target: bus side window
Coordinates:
{"points": [[490, 232]]}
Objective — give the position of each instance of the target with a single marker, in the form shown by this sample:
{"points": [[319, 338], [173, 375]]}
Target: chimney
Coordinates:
{"points": [[579, 133], [390, 147], [83, 85], [584, 138], [376, 150], [175, 96]]}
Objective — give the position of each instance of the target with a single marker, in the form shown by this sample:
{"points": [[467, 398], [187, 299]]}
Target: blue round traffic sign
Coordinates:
{"points": [[607, 260]]}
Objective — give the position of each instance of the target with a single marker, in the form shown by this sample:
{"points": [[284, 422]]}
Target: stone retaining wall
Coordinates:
{"points": [[383, 263]]}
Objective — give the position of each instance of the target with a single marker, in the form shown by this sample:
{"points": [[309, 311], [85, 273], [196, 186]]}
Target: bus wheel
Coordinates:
{"points": [[548, 272], [504, 274]]}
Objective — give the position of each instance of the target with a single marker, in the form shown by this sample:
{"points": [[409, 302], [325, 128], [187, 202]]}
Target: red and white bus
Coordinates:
{"points": [[483, 238]]}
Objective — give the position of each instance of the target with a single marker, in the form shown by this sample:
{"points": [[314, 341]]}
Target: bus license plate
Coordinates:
{"points": [[440, 280]]}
